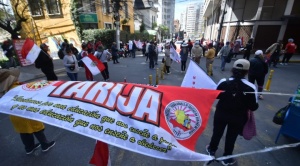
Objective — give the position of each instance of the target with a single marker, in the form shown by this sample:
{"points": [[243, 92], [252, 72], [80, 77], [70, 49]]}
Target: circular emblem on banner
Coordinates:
{"points": [[183, 119], [36, 85]]}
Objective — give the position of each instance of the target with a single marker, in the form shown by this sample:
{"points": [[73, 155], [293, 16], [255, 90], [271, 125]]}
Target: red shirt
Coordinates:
{"points": [[290, 48]]}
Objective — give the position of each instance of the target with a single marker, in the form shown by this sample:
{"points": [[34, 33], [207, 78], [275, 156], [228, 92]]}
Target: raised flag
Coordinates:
{"points": [[30, 50], [101, 154], [93, 64], [174, 55], [195, 77], [163, 122]]}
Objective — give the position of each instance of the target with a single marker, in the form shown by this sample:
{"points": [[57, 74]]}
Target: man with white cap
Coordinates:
{"points": [[258, 70], [232, 109]]}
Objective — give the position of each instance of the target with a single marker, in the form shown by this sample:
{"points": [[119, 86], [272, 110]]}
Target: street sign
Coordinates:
{"points": [[88, 18]]}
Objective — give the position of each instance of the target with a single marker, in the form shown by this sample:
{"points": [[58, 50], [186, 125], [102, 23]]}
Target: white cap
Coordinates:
{"points": [[242, 64], [259, 52]]}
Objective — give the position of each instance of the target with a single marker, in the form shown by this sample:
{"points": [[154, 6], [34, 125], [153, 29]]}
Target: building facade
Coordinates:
{"points": [[147, 11], [267, 21], [165, 15]]}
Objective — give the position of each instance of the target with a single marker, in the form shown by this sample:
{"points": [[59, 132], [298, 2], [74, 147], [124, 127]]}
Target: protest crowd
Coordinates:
{"points": [[246, 72]]}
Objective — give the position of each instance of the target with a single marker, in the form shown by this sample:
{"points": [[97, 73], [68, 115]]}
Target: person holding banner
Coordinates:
{"points": [[232, 109], [27, 128], [84, 53], [71, 65], [103, 56], [45, 62]]}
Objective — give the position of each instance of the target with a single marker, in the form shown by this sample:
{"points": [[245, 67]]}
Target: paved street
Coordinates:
{"points": [[75, 150]]}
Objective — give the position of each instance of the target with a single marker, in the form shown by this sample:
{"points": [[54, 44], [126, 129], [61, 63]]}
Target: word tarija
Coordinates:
{"points": [[138, 102]]}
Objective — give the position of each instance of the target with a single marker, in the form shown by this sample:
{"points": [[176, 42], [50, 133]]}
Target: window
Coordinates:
{"points": [[35, 8], [53, 7], [107, 25], [92, 6], [126, 10]]}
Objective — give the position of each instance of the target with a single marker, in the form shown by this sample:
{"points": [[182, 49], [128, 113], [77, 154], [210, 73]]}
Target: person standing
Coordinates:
{"points": [[274, 50], [45, 62], [223, 53], [236, 48], [27, 128], [190, 46], [103, 56], [197, 52], [258, 70], [184, 52], [114, 53], [231, 110], [8, 48], [210, 57], [249, 47], [151, 54], [85, 53], [290, 49], [156, 53], [167, 58], [74, 50], [71, 65], [147, 50]]}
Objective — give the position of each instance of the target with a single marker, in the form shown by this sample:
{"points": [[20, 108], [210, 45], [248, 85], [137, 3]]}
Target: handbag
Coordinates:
{"points": [[280, 115], [229, 56], [249, 130], [72, 67]]}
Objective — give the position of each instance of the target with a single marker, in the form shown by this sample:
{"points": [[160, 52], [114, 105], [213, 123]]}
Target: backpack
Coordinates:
{"points": [[229, 56], [61, 54]]}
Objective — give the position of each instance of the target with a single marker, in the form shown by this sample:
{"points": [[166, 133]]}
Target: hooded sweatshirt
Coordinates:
{"points": [[197, 51]]}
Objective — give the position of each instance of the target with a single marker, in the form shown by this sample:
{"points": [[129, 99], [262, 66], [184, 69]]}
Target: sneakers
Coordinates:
{"points": [[260, 97], [34, 148], [230, 161], [210, 152], [48, 146]]}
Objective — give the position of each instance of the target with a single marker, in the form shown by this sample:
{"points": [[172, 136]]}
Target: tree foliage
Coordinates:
{"points": [[75, 18], [142, 27], [7, 21]]}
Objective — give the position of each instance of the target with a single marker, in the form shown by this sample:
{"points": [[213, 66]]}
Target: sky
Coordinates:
{"points": [[180, 6]]}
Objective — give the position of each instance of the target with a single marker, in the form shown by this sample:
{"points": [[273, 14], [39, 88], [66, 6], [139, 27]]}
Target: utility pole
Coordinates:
{"points": [[116, 8], [220, 26]]}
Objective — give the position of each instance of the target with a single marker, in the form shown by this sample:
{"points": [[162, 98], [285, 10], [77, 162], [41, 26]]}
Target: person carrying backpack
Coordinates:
{"points": [[232, 109]]}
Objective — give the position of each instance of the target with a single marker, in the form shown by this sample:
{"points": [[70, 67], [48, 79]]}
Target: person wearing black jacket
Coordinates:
{"points": [[8, 48], [45, 62], [231, 110], [258, 70]]}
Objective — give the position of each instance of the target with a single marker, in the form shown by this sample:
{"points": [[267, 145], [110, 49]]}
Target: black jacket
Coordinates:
{"points": [[258, 67], [44, 61]]}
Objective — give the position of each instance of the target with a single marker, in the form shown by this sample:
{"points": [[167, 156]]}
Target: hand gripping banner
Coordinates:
{"points": [[162, 122]]}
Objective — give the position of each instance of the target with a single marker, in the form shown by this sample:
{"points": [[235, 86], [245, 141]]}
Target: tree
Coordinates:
{"points": [[164, 30], [154, 25], [7, 22], [142, 27]]}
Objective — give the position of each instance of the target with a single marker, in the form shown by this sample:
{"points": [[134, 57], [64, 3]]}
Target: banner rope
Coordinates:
{"points": [[253, 152]]}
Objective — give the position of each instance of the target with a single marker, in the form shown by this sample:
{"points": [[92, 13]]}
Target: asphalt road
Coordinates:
{"points": [[75, 150]]}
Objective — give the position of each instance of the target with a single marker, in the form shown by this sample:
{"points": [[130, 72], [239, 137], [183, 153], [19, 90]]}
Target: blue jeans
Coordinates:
{"points": [[72, 76], [223, 62]]}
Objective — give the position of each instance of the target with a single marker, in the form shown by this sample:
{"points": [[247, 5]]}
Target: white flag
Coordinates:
{"points": [[195, 77], [174, 55]]}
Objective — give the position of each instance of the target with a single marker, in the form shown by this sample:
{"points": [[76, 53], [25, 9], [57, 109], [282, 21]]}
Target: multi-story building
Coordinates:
{"points": [[50, 21], [148, 12], [267, 21], [165, 15]]}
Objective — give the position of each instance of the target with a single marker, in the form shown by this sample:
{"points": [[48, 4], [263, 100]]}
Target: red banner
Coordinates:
{"points": [[18, 45]]}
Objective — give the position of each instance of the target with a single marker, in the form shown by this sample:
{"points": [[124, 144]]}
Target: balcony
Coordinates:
{"points": [[209, 6]]}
